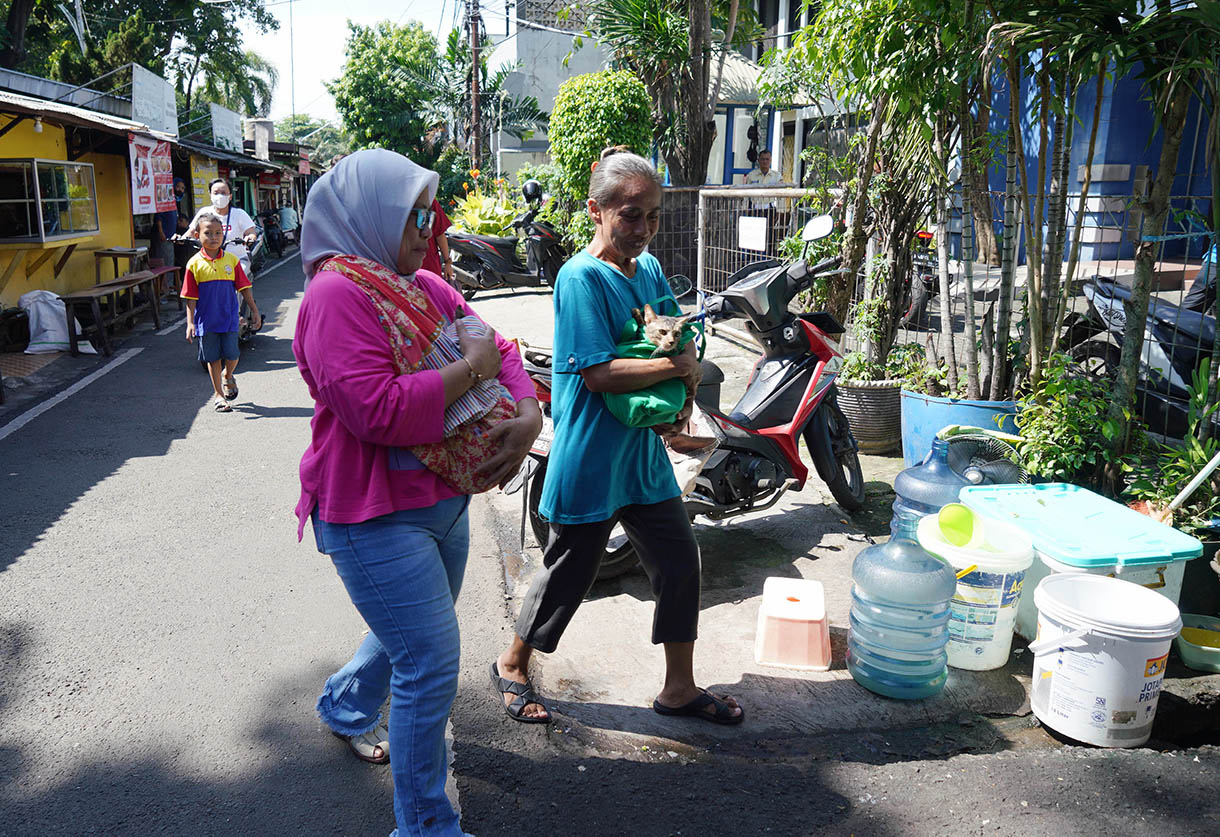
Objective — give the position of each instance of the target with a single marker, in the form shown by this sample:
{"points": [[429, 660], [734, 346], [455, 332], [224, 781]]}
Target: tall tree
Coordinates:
{"points": [[242, 82], [372, 87], [678, 50], [328, 139]]}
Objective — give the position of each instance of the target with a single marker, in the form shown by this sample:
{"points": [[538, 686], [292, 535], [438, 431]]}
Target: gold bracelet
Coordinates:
{"points": [[474, 376]]}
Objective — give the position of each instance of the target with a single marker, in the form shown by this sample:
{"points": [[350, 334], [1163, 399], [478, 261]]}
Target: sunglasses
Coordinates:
{"points": [[423, 217]]}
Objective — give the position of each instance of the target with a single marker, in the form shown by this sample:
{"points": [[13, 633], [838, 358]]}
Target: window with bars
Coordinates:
{"points": [[46, 200]]}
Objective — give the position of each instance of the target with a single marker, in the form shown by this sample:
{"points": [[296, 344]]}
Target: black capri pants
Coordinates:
{"points": [[662, 536]]}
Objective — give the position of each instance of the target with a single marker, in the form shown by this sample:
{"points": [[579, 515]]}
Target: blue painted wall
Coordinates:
{"points": [[1125, 137]]}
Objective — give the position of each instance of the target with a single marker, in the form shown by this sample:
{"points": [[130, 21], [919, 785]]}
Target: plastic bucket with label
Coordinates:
{"points": [[1075, 531], [984, 607], [1099, 660]]}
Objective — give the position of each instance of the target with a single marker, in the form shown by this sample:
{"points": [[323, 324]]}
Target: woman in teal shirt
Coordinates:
{"points": [[601, 472]]}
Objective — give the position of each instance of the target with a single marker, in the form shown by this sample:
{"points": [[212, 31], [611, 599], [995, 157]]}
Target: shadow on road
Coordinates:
{"points": [[138, 410]]}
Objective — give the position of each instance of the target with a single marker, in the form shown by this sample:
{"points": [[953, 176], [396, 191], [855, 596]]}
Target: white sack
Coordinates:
{"points": [[49, 324]]}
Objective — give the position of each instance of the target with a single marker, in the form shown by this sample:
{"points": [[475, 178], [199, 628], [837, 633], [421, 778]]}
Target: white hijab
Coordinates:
{"points": [[360, 207]]}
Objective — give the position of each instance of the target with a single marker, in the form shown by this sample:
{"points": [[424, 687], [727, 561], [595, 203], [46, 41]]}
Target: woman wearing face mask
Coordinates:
{"points": [[239, 230]]}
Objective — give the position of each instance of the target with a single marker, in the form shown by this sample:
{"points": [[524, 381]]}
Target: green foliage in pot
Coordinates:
{"points": [[906, 363], [1065, 429], [487, 209], [1159, 478]]}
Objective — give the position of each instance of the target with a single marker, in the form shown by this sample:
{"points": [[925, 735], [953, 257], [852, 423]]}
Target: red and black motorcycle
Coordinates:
{"points": [[790, 396]]}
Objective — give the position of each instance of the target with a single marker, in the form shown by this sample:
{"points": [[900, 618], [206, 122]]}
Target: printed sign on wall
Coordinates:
{"points": [[152, 175], [152, 101], [203, 172], [226, 128]]}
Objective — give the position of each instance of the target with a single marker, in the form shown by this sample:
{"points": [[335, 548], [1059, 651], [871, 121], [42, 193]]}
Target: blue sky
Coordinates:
{"points": [[319, 29]]}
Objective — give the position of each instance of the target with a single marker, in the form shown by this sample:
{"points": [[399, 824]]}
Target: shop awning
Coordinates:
{"points": [[224, 155], [72, 115]]}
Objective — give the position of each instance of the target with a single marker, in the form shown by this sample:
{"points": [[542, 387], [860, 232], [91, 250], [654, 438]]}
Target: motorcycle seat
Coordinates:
{"points": [[494, 241], [1191, 326]]}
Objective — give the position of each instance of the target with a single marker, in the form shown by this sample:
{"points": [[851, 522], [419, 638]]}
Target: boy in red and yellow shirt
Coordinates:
{"points": [[213, 280]]}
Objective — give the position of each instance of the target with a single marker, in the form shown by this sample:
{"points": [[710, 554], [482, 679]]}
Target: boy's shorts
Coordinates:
{"points": [[218, 346]]}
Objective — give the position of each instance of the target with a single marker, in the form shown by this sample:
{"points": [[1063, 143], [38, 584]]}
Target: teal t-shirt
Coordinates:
{"points": [[597, 464]]}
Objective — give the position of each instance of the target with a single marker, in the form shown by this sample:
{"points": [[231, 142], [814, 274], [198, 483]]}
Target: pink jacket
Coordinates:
{"points": [[363, 410]]}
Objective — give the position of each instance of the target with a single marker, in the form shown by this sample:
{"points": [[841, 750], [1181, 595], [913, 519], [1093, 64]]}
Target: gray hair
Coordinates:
{"points": [[208, 215], [617, 166]]}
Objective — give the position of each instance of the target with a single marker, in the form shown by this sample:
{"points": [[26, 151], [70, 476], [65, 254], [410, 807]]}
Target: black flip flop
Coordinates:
{"points": [[695, 709], [524, 696]]}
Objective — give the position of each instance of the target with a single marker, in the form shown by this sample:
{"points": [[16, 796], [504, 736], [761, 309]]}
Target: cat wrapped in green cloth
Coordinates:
{"points": [[666, 406]]}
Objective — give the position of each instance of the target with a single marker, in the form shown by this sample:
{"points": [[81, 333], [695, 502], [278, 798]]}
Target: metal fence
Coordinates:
{"points": [[738, 226]]}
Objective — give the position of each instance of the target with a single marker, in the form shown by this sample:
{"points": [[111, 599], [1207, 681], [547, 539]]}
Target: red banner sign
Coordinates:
{"points": [[269, 180], [152, 175]]}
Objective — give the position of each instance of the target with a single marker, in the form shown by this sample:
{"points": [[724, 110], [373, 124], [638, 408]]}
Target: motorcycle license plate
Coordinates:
{"points": [[543, 443]]}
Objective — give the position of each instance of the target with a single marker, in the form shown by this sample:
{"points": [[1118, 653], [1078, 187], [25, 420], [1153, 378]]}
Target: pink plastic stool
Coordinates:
{"points": [[792, 628]]}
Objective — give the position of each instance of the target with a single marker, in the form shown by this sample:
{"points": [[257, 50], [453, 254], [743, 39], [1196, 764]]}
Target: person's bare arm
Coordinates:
{"points": [[631, 374]]}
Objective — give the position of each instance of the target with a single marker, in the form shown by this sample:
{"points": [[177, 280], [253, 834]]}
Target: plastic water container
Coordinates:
{"points": [[1075, 530], [793, 631], [899, 615], [1100, 657], [924, 488], [983, 612]]}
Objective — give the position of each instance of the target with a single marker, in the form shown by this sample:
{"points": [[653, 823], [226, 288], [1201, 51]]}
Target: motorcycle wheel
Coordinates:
{"points": [[620, 557], [833, 450], [1097, 358]]}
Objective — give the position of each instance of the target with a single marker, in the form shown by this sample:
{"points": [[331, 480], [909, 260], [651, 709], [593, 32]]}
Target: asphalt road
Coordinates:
{"points": [[163, 638]]}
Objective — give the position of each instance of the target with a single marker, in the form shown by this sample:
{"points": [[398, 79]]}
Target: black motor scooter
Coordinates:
{"points": [[1176, 342], [486, 262]]}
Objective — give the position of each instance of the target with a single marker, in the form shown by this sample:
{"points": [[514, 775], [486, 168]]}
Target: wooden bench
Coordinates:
{"points": [[120, 297], [174, 274]]}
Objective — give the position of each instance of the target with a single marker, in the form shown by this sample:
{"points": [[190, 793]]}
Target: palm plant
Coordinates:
{"points": [[447, 108]]}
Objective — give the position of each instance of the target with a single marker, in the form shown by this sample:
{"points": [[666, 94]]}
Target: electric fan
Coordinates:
{"points": [[984, 457]]}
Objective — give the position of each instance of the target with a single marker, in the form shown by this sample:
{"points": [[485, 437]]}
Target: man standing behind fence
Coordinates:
{"points": [[760, 178]]}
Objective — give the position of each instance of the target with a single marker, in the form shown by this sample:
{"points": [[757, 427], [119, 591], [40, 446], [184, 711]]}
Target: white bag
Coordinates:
{"points": [[688, 465], [49, 324]]}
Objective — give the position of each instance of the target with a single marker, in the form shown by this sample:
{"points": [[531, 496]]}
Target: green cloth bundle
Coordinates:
{"points": [[661, 402]]}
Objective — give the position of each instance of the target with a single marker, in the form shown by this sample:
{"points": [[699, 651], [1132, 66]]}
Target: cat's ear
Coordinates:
{"points": [[649, 314], [683, 320]]}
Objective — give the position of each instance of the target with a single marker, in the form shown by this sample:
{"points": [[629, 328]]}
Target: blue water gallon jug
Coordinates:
{"points": [[922, 489], [899, 626]]}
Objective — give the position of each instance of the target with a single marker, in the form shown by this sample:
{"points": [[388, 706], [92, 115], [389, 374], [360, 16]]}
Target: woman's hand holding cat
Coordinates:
{"points": [[685, 365], [480, 352]]}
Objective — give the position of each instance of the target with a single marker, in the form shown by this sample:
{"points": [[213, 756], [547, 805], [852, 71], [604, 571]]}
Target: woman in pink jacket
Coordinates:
{"points": [[395, 530]]}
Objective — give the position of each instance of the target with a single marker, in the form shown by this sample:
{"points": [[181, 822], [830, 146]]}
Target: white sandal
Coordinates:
{"points": [[366, 745]]}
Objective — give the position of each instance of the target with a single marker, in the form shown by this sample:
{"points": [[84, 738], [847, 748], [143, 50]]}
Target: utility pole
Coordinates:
{"points": [[475, 120]]}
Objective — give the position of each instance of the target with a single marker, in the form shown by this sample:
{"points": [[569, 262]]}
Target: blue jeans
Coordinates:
{"points": [[403, 572]]}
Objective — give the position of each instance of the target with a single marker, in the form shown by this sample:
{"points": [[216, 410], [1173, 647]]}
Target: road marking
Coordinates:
{"points": [[34, 412], [175, 325], [295, 255]]}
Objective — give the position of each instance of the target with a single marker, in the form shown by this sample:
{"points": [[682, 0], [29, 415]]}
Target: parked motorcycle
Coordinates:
{"points": [[269, 222], [790, 396], [1176, 341], [486, 262]]}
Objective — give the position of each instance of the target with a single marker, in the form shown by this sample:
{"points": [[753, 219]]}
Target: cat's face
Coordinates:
{"points": [[663, 332]]}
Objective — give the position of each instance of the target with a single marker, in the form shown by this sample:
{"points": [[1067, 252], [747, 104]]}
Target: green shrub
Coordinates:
{"points": [[488, 209], [1065, 430], [454, 168], [594, 111]]}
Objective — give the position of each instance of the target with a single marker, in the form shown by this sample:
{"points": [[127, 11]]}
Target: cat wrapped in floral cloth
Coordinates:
{"points": [[422, 338]]}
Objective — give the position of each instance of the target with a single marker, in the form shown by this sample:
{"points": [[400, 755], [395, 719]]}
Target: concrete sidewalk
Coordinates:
{"points": [[603, 678]]}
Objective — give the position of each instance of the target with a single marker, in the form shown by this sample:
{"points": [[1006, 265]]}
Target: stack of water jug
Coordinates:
{"points": [[901, 594]]}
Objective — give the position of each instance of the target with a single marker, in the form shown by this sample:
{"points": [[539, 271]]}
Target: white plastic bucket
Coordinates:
{"points": [[1099, 660], [984, 607], [1164, 578]]}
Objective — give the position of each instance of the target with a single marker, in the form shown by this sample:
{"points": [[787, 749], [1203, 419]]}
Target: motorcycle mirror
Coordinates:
{"points": [[818, 227], [680, 285]]}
